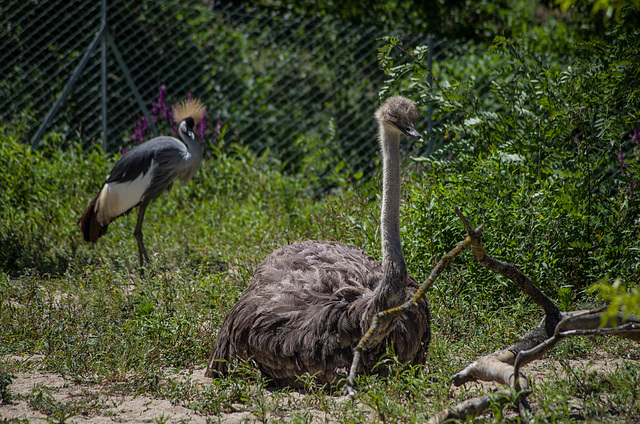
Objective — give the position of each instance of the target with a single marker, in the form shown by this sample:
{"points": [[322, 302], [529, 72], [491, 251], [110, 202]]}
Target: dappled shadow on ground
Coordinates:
{"points": [[40, 396]]}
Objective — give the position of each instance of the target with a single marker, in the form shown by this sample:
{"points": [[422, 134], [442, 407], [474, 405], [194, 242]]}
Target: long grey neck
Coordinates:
{"points": [[395, 270], [192, 161], [194, 147]]}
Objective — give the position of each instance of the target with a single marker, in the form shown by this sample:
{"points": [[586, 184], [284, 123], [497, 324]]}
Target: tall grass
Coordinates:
{"points": [[93, 319]]}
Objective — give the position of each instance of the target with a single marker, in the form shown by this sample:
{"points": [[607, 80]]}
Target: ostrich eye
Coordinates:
{"points": [[393, 115]]}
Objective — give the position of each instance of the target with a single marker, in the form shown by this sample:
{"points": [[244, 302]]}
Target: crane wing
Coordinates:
{"points": [[138, 160]]}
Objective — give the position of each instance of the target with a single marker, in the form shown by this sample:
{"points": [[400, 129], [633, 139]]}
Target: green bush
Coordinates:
{"points": [[547, 161]]}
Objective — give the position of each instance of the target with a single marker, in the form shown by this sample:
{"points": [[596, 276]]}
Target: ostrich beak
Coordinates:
{"points": [[411, 132]]}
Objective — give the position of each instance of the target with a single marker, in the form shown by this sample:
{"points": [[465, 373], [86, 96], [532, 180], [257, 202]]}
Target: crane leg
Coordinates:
{"points": [[137, 233]]}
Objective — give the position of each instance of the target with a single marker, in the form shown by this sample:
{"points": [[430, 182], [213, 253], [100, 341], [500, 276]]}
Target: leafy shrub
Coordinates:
{"points": [[548, 161], [38, 207]]}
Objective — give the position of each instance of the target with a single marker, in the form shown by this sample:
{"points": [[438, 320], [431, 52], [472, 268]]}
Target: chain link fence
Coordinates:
{"points": [[102, 72]]}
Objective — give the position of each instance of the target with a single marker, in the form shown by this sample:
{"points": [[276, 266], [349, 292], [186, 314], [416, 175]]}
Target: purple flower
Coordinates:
{"points": [[141, 131], [621, 157], [172, 125], [202, 126], [162, 90], [162, 103], [154, 111]]}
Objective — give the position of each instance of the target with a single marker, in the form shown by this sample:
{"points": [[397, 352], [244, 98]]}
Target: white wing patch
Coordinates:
{"points": [[117, 198]]}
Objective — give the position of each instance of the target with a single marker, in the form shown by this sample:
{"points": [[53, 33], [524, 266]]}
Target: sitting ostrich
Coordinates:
{"points": [[308, 304], [143, 174]]}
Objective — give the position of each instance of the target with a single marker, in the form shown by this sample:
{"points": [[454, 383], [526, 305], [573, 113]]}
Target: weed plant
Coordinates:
{"points": [[90, 317], [564, 212]]}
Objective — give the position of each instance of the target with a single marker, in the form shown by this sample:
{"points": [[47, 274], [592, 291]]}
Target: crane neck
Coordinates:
{"points": [[195, 149], [394, 267]]}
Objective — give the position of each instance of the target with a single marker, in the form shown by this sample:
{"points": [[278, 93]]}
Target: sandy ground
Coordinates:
{"points": [[109, 408], [105, 407], [101, 406]]}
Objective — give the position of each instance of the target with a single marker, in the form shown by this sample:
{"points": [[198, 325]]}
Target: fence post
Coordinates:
{"points": [[103, 77], [132, 85], [105, 39], [430, 82], [67, 88]]}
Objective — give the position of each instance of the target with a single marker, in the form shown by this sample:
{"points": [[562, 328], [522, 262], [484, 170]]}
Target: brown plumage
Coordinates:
{"points": [[89, 225], [308, 304], [143, 174]]}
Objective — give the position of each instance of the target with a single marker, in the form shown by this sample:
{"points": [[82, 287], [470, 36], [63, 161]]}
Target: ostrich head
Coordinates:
{"points": [[398, 115]]}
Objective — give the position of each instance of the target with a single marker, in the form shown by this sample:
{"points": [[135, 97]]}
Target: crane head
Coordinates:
{"points": [[187, 127], [189, 109], [187, 114]]}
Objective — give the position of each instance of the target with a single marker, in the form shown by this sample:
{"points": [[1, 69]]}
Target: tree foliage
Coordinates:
{"points": [[544, 146], [461, 19]]}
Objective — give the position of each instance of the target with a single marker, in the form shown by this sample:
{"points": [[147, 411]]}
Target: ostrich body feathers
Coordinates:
{"points": [[306, 308]]}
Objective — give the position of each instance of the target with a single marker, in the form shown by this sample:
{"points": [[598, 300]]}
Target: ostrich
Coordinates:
{"points": [[143, 174], [308, 304]]}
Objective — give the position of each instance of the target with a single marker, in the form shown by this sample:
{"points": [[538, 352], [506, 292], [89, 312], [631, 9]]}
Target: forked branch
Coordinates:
{"points": [[382, 319], [504, 365]]}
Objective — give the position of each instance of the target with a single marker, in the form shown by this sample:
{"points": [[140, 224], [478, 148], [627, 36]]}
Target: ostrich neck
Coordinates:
{"points": [[395, 271]]}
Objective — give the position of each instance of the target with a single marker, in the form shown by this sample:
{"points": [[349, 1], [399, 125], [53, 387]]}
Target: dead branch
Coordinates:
{"points": [[630, 329], [592, 320], [503, 365], [382, 319], [471, 407], [507, 270]]}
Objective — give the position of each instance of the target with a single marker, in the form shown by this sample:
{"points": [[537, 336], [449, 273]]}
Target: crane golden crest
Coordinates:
{"points": [[191, 108]]}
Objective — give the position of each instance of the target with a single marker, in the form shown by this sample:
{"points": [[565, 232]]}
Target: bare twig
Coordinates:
{"points": [[382, 319], [471, 407], [503, 365], [631, 328], [592, 320], [508, 270], [496, 366]]}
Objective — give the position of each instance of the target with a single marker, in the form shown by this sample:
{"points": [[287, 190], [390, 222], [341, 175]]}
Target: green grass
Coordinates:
{"points": [[90, 318]]}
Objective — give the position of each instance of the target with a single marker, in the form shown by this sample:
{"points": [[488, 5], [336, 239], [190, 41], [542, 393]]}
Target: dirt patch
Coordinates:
{"points": [[35, 391], [41, 397]]}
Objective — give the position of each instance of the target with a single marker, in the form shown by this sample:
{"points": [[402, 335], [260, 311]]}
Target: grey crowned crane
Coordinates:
{"points": [[143, 174]]}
